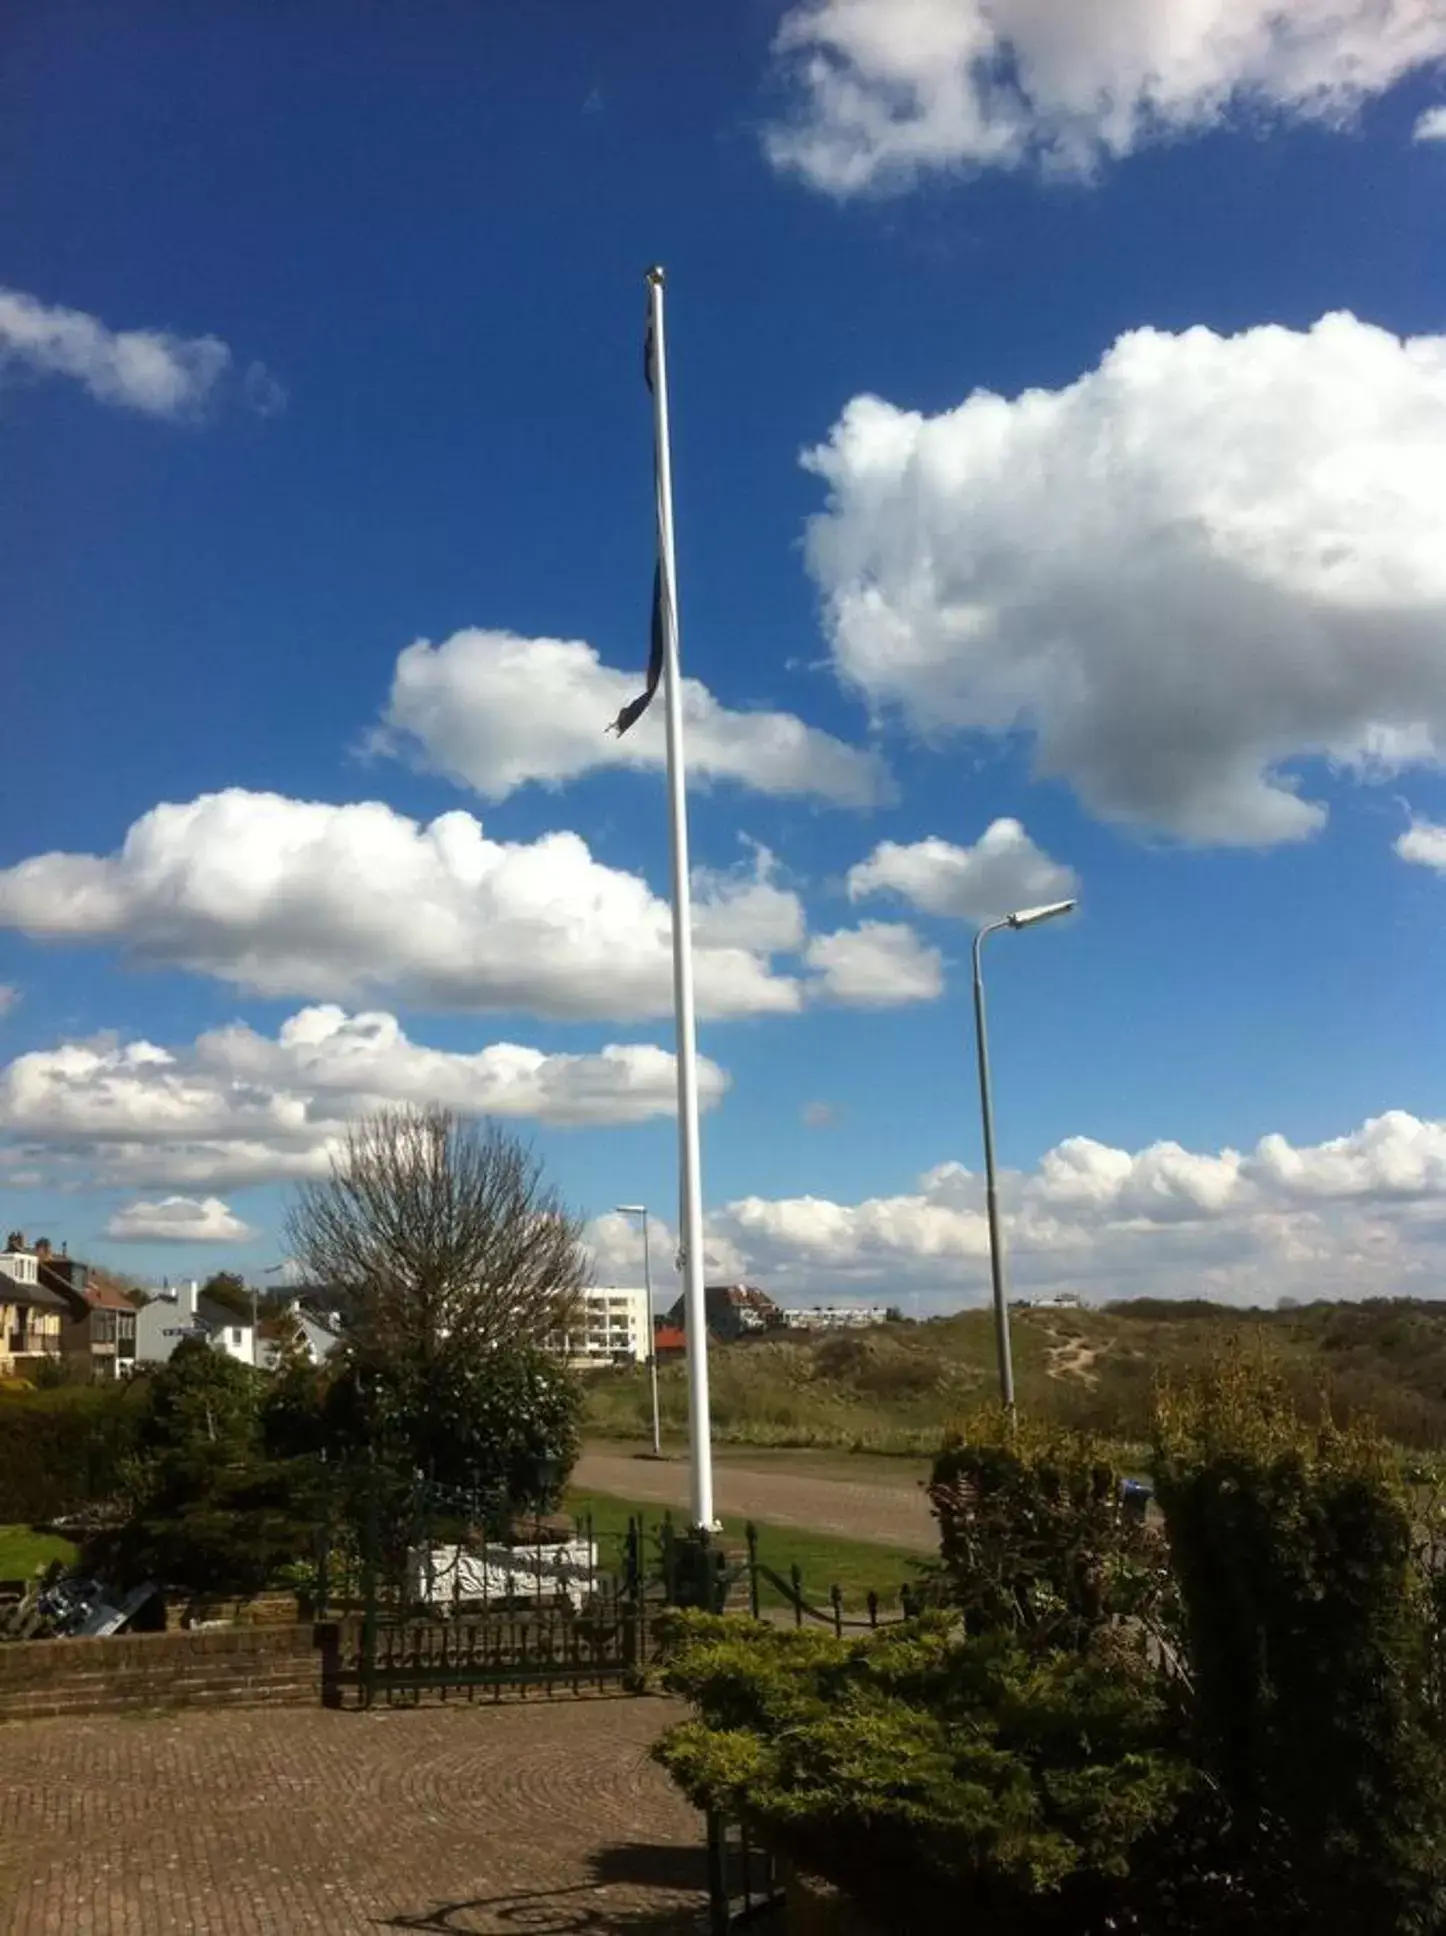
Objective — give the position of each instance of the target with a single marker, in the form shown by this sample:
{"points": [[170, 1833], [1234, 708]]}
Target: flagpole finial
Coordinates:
{"points": [[655, 275]]}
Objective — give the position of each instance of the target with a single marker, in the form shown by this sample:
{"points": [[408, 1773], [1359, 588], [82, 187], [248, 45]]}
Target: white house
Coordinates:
{"points": [[613, 1326], [318, 1340], [181, 1312]]}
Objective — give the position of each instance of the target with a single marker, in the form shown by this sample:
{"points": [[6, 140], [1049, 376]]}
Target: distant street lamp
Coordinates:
{"points": [[641, 1210], [1025, 918]]}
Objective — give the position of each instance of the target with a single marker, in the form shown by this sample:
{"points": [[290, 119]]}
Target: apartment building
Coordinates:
{"points": [[612, 1326]]}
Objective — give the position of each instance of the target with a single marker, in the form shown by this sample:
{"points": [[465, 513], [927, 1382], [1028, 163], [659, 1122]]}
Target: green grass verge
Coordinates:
{"points": [[23, 1551], [856, 1567]]}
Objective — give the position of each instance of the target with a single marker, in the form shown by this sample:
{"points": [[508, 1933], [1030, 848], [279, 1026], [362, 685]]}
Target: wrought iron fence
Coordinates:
{"points": [[911, 1597], [744, 1882], [435, 1593], [438, 1591]]}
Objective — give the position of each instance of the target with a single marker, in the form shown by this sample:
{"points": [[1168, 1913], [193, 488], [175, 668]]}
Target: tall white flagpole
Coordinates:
{"points": [[690, 1185]]}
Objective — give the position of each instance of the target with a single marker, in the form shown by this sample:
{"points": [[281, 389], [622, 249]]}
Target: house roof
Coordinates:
{"points": [[104, 1296], [670, 1337], [221, 1316], [743, 1297], [37, 1296]]}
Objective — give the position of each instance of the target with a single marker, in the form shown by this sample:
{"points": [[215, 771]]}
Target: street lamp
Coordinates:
{"points": [[1024, 918], [641, 1210]]}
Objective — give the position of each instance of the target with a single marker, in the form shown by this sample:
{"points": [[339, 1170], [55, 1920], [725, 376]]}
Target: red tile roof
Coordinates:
{"points": [[107, 1297], [669, 1337]]}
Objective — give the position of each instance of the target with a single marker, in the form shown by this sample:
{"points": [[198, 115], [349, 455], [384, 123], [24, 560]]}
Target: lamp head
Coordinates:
{"points": [[1027, 917], [631, 1209]]}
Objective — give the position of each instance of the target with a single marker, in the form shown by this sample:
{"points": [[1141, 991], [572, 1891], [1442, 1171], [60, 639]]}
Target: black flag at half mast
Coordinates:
{"points": [[634, 710]]}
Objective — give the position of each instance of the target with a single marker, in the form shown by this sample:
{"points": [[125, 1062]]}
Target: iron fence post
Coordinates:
{"points": [[719, 1906], [367, 1663]]}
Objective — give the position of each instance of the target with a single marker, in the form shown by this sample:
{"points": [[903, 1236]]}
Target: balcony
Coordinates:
{"points": [[30, 1344]]}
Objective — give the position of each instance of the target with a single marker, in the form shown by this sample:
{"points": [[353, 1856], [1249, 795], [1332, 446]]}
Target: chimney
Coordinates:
{"points": [[42, 1249], [186, 1301]]}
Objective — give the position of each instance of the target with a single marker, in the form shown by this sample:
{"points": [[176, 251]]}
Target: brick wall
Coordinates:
{"points": [[226, 1667]]}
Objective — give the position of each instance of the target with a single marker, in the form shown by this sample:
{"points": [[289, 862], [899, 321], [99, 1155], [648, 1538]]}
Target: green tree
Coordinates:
{"points": [[504, 1428], [228, 1289], [211, 1512]]}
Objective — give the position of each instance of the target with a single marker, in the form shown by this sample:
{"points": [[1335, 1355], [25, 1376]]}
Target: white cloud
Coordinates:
{"points": [[820, 1115], [849, 1237], [9, 996], [1002, 871], [1431, 126], [885, 90], [291, 897], [1363, 1214], [616, 1246], [1206, 558], [149, 370], [746, 908], [493, 711], [1394, 1155], [1424, 842], [879, 964], [178, 1220], [237, 1107]]}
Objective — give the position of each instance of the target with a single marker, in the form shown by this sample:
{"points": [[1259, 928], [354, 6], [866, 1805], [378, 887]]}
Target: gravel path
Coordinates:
{"points": [[850, 1509]]}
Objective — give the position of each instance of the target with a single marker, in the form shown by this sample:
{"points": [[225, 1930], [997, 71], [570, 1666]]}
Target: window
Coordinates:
{"points": [[235, 1334]]}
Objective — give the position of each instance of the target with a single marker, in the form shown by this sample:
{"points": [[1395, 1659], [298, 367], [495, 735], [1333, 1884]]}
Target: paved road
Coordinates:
{"points": [[306, 1822], [853, 1509]]}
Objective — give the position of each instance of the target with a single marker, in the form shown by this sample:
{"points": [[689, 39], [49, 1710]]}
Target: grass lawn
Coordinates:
{"points": [[862, 1468], [856, 1566], [23, 1552]]}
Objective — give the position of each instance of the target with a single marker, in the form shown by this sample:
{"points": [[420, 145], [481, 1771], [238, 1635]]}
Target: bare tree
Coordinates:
{"points": [[443, 1238]]}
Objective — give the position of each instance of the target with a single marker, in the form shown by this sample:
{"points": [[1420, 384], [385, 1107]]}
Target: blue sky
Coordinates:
{"points": [[322, 336]]}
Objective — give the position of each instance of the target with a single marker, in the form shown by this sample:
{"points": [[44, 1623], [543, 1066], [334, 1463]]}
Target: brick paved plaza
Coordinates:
{"points": [[539, 1816]]}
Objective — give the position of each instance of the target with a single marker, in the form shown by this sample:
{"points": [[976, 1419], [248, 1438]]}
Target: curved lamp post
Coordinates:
{"points": [[1025, 918]]}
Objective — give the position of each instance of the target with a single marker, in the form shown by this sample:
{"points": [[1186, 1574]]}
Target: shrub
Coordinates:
{"points": [[933, 1776], [1035, 1538], [1235, 1731], [1310, 1632], [65, 1449]]}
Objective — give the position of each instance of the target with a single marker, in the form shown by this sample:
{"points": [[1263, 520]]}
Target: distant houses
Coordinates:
{"points": [[734, 1311], [173, 1315], [60, 1315], [58, 1310], [837, 1317], [31, 1315], [55, 1309], [738, 1312], [295, 1330]]}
